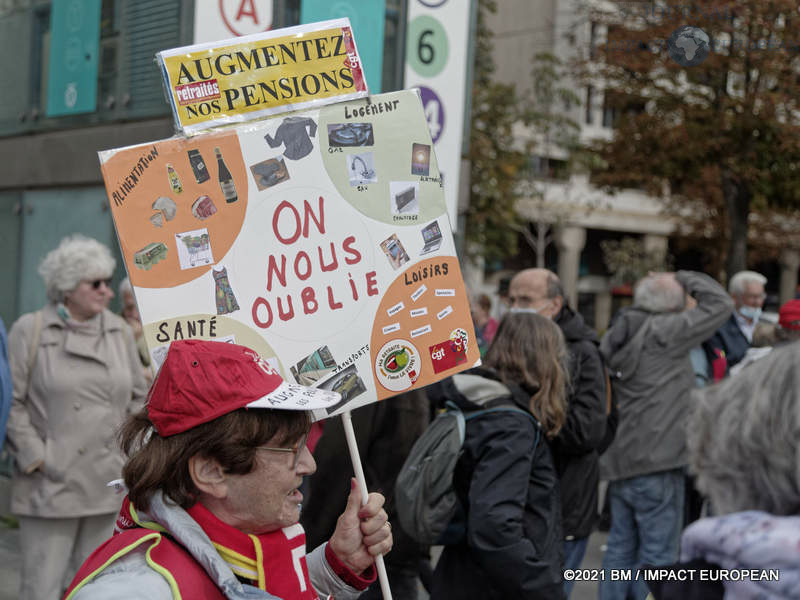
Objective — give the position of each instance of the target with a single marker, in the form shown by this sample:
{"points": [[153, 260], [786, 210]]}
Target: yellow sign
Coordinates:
{"points": [[250, 77]]}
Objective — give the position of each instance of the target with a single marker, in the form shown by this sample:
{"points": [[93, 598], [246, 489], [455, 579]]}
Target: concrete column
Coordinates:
{"points": [[657, 245], [790, 263], [602, 310], [570, 241], [472, 270]]}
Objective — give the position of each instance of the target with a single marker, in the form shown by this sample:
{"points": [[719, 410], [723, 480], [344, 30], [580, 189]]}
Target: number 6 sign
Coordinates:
{"points": [[430, 49], [437, 55]]}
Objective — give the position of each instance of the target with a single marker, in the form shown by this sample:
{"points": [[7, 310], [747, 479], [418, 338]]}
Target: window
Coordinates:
{"points": [[543, 167], [593, 40], [109, 55], [609, 113], [616, 104], [40, 60], [128, 81]]}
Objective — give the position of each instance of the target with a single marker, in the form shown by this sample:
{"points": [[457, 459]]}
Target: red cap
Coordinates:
{"points": [[202, 380], [789, 315]]}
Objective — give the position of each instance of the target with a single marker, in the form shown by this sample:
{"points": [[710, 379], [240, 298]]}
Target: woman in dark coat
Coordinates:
{"points": [[505, 477]]}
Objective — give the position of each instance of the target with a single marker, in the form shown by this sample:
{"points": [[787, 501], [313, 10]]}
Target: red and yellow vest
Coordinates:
{"points": [[274, 562]]}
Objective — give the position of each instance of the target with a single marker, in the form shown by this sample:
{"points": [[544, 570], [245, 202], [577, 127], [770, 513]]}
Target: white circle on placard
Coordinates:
{"points": [[397, 365]]}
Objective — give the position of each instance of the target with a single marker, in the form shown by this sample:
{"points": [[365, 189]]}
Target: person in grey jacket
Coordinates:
{"points": [[743, 441], [647, 353], [214, 466]]}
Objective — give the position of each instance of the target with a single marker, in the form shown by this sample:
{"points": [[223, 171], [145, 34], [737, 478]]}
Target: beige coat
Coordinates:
{"points": [[83, 386]]}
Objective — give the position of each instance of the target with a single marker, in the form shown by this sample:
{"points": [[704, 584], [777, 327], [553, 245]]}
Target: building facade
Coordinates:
{"points": [[581, 216], [50, 179]]}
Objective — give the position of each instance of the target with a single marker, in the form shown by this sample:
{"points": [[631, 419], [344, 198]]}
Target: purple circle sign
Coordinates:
{"points": [[434, 112]]}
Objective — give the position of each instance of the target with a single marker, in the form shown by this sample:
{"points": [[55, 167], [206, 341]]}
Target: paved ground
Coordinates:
{"points": [[9, 563], [9, 549], [584, 590], [10, 560]]}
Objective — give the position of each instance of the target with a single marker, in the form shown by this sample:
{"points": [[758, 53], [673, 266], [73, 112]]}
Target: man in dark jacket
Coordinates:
{"points": [[575, 448], [647, 352], [735, 336]]}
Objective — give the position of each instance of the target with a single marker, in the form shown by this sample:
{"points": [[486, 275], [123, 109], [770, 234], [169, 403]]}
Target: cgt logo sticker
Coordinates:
{"points": [[448, 354]]}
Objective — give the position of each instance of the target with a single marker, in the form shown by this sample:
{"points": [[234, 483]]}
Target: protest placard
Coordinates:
{"points": [[320, 239], [250, 77]]}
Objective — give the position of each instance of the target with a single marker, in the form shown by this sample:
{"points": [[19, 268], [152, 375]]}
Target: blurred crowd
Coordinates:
{"points": [[688, 406]]}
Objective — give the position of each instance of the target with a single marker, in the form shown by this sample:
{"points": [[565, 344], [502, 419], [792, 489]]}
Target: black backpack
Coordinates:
{"points": [[425, 499]]}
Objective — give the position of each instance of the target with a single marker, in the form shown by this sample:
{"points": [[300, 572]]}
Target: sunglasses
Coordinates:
{"points": [[296, 449], [98, 282]]}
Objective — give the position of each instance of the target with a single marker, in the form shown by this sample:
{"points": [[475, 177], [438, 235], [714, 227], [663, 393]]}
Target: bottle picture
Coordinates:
{"points": [[174, 182], [198, 166], [225, 179]]}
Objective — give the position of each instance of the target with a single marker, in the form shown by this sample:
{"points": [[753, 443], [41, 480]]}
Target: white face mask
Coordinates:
{"points": [[522, 309], [750, 312]]}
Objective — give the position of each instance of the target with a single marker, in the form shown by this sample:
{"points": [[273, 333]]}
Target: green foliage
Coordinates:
{"points": [[628, 260], [495, 163]]}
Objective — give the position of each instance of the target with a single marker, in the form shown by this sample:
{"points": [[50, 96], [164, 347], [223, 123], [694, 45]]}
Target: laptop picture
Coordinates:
{"points": [[432, 236]]}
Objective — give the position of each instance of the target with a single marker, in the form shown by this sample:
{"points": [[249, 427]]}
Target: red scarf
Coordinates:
{"points": [[274, 561]]}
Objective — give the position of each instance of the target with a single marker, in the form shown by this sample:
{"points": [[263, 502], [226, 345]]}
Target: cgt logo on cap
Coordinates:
{"points": [[263, 364]]}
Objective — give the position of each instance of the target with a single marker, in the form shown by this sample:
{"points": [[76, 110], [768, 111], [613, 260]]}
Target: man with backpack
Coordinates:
{"points": [[576, 447]]}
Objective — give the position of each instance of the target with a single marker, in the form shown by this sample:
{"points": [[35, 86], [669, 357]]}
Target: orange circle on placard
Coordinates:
{"points": [[152, 218], [423, 307]]}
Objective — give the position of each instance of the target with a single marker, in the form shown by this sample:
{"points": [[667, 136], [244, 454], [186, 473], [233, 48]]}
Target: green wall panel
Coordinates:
{"points": [[50, 215]]}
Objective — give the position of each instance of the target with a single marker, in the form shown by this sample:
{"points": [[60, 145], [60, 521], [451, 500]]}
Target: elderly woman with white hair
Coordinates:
{"points": [[744, 448], [76, 376]]}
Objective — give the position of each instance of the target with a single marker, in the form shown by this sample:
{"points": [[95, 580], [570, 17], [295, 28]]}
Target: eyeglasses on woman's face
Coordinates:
{"points": [[96, 283], [296, 449]]}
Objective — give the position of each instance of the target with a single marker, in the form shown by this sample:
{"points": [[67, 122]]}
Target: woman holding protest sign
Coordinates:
{"points": [[76, 375], [505, 478]]}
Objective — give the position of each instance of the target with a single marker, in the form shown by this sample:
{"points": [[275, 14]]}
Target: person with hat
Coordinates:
{"points": [[789, 320], [214, 464]]}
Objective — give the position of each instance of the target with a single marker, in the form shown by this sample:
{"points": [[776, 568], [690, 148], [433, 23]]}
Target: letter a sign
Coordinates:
{"points": [[222, 19]]}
